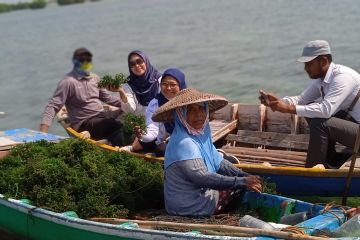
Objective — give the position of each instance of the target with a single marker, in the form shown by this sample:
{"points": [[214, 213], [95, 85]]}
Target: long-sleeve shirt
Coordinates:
{"points": [[324, 98], [154, 130], [82, 98], [190, 190], [133, 104]]}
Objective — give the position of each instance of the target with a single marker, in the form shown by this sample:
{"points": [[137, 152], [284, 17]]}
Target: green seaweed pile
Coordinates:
{"points": [[130, 121], [107, 81], [75, 175]]}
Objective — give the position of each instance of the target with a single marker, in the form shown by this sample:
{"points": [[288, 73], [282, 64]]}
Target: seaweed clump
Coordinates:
{"points": [[75, 175]]}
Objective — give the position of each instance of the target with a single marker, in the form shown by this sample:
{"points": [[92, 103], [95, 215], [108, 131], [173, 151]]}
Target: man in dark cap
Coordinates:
{"points": [[330, 104], [79, 92]]}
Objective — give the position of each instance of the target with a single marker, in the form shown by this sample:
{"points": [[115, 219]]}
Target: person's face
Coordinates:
{"points": [[137, 65], [84, 58], [196, 116], [169, 87], [315, 68]]}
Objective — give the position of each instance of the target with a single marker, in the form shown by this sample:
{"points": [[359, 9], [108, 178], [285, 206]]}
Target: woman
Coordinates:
{"points": [[172, 81], [142, 86], [198, 181]]}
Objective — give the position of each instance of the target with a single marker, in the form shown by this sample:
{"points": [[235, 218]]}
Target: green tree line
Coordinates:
{"points": [[36, 4]]}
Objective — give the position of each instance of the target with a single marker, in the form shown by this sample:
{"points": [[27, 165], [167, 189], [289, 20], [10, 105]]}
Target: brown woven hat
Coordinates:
{"points": [[185, 97]]}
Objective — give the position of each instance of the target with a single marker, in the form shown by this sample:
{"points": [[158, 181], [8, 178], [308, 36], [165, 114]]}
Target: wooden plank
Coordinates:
{"points": [[257, 152], [248, 115], [275, 135], [280, 140], [268, 142], [230, 149], [221, 130]]}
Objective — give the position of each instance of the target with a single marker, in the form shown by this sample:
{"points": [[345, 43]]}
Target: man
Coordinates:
{"points": [[79, 92], [329, 104]]}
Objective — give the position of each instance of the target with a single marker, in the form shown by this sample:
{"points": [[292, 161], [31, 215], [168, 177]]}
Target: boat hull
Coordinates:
{"points": [[40, 224]]}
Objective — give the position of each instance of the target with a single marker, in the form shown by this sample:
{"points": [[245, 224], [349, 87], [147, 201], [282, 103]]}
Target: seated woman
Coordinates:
{"points": [[142, 86], [173, 80], [197, 181]]}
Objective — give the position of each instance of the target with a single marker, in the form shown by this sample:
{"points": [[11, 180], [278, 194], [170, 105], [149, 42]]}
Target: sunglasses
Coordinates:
{"points": [[138, 61]]}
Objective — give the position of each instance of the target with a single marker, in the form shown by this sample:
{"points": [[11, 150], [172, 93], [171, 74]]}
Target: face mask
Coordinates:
{"points": [[82, 68]]}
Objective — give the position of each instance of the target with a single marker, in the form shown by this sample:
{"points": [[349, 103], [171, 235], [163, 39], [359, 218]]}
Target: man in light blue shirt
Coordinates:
{"points": [[329, 104]]}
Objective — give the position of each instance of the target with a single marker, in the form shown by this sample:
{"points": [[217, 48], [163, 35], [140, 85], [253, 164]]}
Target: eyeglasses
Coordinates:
{"points": [[138, 61], [171, 85]]}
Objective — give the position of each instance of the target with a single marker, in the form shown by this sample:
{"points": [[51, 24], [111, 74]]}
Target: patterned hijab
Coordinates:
{"points": [[180, 77], [187, 143], [146, 86]]}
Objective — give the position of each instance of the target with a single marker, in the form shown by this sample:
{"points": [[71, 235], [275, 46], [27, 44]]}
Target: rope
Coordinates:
{"points": [[328, 209], [293, 229]]}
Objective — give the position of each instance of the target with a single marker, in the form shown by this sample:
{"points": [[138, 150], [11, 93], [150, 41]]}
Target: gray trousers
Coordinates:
{"points": [[324, 133]]}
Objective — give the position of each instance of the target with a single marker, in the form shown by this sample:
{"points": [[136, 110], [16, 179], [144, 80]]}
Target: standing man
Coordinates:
{"points": [[79, 92], [330, 104]]}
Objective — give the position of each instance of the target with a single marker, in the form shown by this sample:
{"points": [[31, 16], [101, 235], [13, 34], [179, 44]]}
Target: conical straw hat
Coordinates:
{"points": [[186, 97]]}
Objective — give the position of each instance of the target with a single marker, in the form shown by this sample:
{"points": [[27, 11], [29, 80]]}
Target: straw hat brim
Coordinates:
{"points": [[186, 97]]}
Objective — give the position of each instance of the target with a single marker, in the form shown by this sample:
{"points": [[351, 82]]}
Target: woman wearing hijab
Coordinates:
{"points": [[172, 81], [197, 181], [142, 86]]}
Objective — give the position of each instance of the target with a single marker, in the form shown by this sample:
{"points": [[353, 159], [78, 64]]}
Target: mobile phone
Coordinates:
{"points": [[264, 95]]}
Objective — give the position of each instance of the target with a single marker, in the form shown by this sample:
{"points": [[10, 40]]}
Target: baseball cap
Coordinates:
{"points": [[81, 51], [313, 49]]}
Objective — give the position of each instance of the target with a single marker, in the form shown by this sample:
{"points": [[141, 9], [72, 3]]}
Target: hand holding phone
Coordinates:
{"points": [[264, 96]]}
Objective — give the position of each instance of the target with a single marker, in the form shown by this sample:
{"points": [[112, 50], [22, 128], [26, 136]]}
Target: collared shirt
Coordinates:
{"points": [[82, 98], [324, 98]]}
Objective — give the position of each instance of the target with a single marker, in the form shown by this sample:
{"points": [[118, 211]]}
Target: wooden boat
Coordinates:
{"points": [[223, 123], [270, 144], [25, 220]]}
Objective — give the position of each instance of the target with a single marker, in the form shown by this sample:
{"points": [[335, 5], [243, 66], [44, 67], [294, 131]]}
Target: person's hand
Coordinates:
{"points": [[138, 131], [265, 98], [44, 128], [253, 183], [122, 95], [113, 89], [282, 106]]}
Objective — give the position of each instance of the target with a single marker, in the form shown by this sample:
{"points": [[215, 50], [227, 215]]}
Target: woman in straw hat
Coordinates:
{"points": [[198, 181]]}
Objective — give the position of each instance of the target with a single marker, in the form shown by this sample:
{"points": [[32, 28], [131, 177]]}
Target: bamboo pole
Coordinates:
{"points": [[352, 165], [229, 230]]}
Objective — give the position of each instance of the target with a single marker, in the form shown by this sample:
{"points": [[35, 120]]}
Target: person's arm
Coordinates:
{"points": [[290, 104], [55, 104], [227, 168], [339, 89], [310, 94], [131, 104], [152, 128], [196, 171]]}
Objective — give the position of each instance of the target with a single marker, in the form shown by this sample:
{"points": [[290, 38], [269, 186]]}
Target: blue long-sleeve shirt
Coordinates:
{"points": [[190, 190]]}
